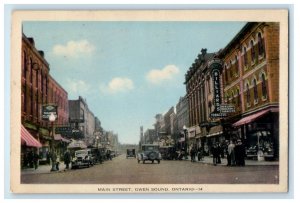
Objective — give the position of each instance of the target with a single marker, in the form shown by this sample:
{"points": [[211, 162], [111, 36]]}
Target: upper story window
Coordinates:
{"points": [[255, 90], [245, 56], [261, 48], [248, 93], [238, 100], [209, 84], [31, 71], [225, 74], [236, 64], [24, 65], [252, 51], [230, 69], [264, 86]]}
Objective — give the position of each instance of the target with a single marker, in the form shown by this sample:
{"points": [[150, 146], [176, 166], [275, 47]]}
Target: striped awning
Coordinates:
{"points": [[28, 139], [251, 118]]}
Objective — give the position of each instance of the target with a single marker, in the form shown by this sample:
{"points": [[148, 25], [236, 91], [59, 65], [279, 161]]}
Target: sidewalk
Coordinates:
{"points": [[248, 162], [43, 169]]}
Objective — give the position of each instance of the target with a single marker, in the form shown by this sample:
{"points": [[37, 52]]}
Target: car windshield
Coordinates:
{"points": [[150, 148], [80, 152]]}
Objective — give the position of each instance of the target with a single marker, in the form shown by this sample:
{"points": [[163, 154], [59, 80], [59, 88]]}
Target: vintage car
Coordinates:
{"points": [[150, 152], [168, 152], [83, 158], [130, 153]]}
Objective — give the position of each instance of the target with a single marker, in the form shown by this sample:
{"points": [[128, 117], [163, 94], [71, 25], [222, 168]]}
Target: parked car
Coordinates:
{"points": [[83, 158], [168, 152], [150, 152], [130, 153]]}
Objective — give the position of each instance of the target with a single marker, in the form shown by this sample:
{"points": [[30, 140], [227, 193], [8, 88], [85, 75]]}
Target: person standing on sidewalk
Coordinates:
{"points": [[193, 154], [240, 153], [67, 158], [36, 160], [53, 161], [215, 153], [230, 154]]}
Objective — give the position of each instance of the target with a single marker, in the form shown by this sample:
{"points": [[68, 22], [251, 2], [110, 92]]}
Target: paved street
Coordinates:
{"points": [[127, 171]]}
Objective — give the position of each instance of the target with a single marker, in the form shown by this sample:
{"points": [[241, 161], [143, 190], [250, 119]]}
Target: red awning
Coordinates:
{"points": [[249, 119], [28, 139], [58, 137]]}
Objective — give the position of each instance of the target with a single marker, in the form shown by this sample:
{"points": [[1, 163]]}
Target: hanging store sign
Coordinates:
{"points": [[216, 66], [227, 108], [47, 110]]}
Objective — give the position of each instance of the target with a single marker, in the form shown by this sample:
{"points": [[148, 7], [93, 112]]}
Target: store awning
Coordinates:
{"points": [[28, 139], [58, 137], [251, 118]]}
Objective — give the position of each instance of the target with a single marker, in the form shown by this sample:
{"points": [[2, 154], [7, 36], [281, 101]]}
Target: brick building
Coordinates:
{"points": [[37, 89], [199, 90], [251, 84]]}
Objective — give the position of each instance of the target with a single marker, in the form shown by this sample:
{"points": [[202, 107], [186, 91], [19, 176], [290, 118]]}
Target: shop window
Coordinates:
{"points": [[261, 48]]}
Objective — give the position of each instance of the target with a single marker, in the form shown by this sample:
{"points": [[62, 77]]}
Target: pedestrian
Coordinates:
{"points": [[54, 161], [214, 151], [30, 158], [193, 154], [230, 154], [35, 160], [240, 153], [48, 157], [200, 153], [25, 160], [219, 152], [67, 158]]}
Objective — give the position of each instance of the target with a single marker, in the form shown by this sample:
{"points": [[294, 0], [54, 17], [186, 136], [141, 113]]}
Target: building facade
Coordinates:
{"points": [[39, 88], [182, 117], [251, 83], [202, 128]]}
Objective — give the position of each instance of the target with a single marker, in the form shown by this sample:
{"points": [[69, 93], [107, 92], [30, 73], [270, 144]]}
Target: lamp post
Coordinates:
{"points": [[185, 141], [52, 119]]}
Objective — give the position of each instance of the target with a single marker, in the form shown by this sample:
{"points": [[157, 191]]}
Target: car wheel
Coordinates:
{"points": [[143, 161], [152, 155], [152, 161], [138, 161], [158, 161]]}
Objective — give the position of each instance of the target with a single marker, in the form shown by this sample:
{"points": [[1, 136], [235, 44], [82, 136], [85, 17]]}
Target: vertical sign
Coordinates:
{"points": [[217, 91], [216, 65]]}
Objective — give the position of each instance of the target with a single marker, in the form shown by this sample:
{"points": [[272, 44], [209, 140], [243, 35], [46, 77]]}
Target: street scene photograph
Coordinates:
{"points": [[151, 102]]}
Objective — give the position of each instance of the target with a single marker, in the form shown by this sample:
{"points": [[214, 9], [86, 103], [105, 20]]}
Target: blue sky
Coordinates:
{"points": [[127, 71]]}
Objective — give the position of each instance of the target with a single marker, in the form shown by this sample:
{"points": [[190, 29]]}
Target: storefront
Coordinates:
{"points": [[260, 133], [29, 146]]}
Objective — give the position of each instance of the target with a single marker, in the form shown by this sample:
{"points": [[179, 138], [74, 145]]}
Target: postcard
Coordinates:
{"points": [[149, 101]]}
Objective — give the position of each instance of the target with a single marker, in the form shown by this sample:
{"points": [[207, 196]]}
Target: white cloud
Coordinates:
{"points": [[78, 86], [157, 76], [118, 84], [74, 48]]}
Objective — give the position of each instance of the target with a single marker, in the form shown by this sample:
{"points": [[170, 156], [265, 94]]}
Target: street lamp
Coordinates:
{"points": [[52, 119], [185, 141]]}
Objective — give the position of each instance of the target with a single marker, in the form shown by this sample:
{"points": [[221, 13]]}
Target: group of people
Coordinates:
{"points": [[31, 159], [196, 153], [236, 154]]}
